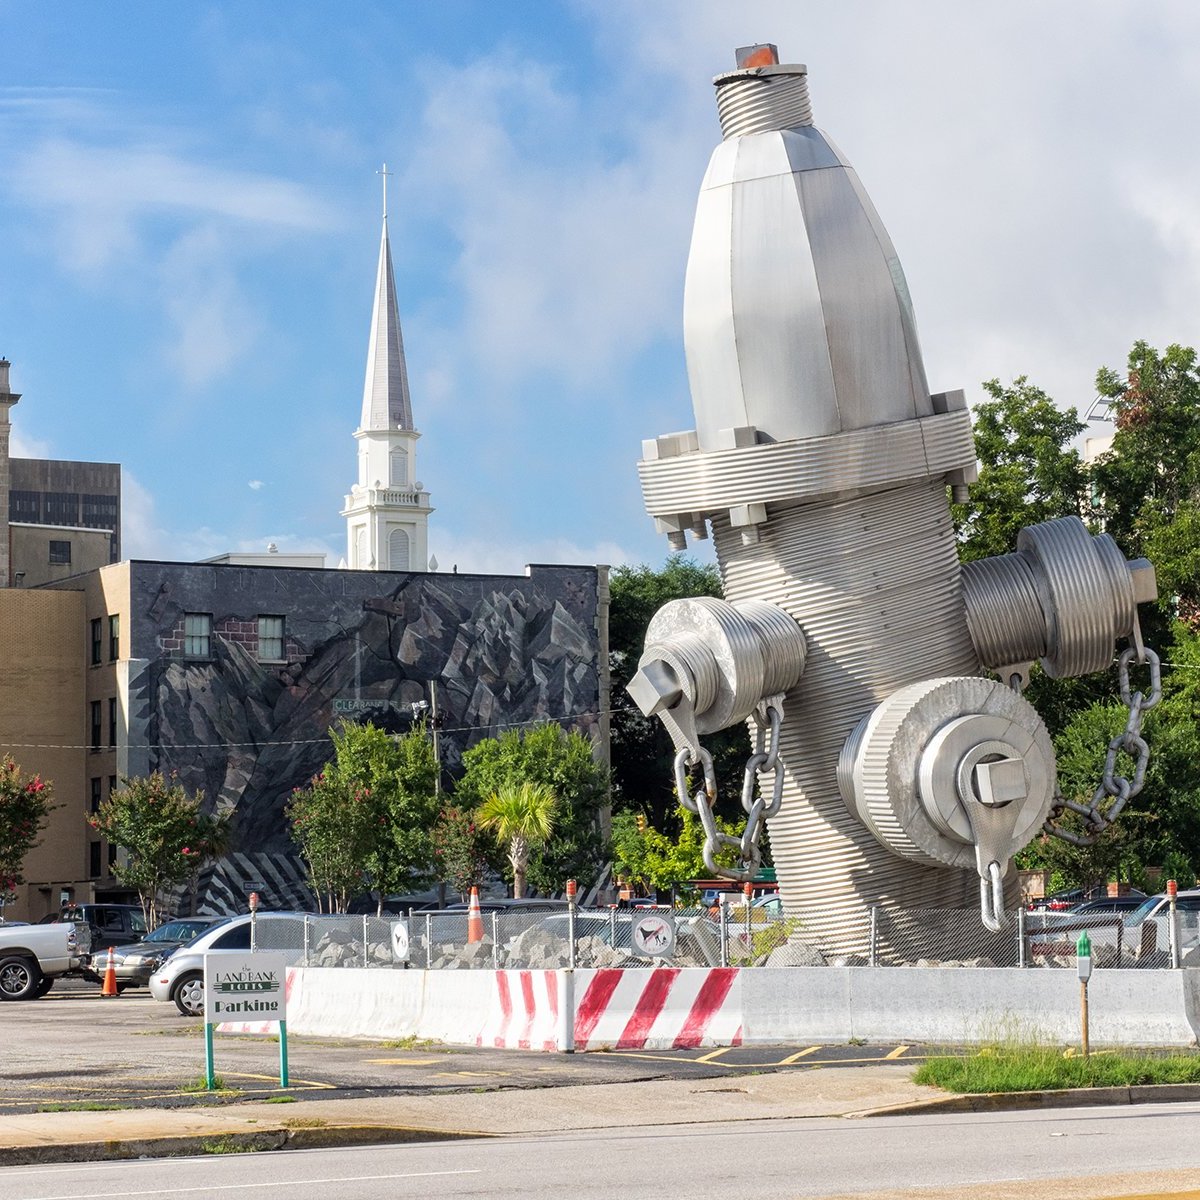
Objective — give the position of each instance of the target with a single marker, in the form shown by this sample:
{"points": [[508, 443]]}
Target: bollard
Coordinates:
{"points": [[565, 1034], [1083, 963], [1173, 922], [571, 922]]}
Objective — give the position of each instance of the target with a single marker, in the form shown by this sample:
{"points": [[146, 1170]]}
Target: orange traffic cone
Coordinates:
{"points": [[110, 977], [474, 918]]}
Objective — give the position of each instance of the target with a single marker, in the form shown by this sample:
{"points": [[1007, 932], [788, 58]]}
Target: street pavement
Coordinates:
{"points": [[92, 1079]]}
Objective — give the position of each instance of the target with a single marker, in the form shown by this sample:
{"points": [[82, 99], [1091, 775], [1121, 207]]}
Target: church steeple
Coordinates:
{"points": [[387, 510], [386, 403]]}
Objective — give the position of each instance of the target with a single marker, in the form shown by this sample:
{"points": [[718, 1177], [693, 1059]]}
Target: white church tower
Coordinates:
{"points": [[387, 510]]}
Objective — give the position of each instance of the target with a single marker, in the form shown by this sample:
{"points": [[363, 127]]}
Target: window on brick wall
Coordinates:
{"points": [[112, 854], [96, 641], [96, 717], [114, 637], [95, 797], [270, 639], [112, 722], [95, 868], [197, 635], [60, 553]]}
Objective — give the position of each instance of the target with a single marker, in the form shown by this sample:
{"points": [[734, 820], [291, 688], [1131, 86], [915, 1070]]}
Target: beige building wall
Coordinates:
{"points": [[42, 719], [32, 562]]}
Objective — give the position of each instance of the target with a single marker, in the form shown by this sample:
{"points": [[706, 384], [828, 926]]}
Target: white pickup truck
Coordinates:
{"points": [[33, 956]]}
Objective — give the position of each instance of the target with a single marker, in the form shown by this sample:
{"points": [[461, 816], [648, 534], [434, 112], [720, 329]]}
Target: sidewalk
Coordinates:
{"points": [[840, 1092]]}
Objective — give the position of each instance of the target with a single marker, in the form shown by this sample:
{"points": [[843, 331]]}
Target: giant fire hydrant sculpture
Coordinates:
{"points": [[892, 770]]}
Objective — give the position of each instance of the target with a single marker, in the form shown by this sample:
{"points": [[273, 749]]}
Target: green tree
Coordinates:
{"points": [[460, 850], [25, 803], [365, 821], [332, 831], [1148, 485], [1028, 471], [522, 816], [657, 862], [643, 754], [155, 822], [565, 764]]}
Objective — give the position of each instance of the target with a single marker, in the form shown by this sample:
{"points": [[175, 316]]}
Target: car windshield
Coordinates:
{"points": [[1142, 911], [177, 931], [206, 930]]}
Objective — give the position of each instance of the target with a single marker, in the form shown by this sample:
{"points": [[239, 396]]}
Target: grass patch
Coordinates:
{"points": [[200, 1084], [229, 1145], [412, 1042], [82, 1106], [1033, 1068], [305, 1123], [280, 1100]]}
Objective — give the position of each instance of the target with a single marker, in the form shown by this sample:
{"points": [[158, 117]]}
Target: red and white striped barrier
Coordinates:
{"points": [[661, 1009], [523, 1012]]}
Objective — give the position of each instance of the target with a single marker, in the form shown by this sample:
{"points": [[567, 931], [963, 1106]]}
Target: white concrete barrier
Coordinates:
{"points": [[666, 1007]]}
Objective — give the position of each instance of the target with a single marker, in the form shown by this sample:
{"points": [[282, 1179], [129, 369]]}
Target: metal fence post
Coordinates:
{"points": [[366, 956], [612, 926], [873, 938], [495, 941], [1021, 960], [306, 941], [428, 940], [724, 909]]}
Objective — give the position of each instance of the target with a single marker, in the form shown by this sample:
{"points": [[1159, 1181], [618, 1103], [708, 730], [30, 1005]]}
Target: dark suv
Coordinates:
{"points": [[111, 924]]}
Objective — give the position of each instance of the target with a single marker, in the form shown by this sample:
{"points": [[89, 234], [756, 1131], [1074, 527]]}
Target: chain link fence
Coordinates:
{"points": [[738, 936]]}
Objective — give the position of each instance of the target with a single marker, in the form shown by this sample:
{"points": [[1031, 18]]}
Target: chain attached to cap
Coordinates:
{"points": [[767, 718]]}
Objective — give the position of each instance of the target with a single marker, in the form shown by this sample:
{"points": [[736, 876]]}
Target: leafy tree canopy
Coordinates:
{"points": [[562, 762], [25, 803], [161, 829], [366, 820]]}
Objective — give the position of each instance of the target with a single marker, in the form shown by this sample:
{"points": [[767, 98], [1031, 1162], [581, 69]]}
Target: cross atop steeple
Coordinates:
{"points": [[385, 173]]}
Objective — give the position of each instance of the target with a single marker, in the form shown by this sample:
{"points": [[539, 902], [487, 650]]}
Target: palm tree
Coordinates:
{"points": [[521, 814]]}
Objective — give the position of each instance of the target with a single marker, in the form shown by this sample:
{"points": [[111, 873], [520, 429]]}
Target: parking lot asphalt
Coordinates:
{"points": [[73, 1049]]}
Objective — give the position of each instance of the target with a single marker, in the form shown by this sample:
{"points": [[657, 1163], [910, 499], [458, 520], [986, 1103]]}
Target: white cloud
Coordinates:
{"points": [[212, 325], [256, 485]]}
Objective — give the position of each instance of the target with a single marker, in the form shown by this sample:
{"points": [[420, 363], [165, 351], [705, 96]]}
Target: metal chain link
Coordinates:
{"points": [[767, 717], [1114, 790]]}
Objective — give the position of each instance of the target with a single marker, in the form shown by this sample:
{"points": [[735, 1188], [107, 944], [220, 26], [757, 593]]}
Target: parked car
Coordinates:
{"points": [[1110, 904], [33, 956], [110, 924], [133, 964], [180, 978]]}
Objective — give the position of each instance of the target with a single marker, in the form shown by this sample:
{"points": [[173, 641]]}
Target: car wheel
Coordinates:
{"points": [[46, 984], [189, 994], [19, 978]]}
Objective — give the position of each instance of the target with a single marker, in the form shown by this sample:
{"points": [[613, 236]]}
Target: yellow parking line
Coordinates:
{"points": [[791, 1058], [897, 1053], [713, 1055], [405, 1062]]}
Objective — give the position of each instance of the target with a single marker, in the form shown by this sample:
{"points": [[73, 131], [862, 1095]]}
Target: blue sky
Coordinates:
{"points": [[189, 223]]}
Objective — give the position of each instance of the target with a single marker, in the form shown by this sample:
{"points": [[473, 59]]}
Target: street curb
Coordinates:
{"points": [[228, 1142], [984, 1102]]}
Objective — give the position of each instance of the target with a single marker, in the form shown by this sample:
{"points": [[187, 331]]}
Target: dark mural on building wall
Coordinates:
{"points": [[502, 652]]}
